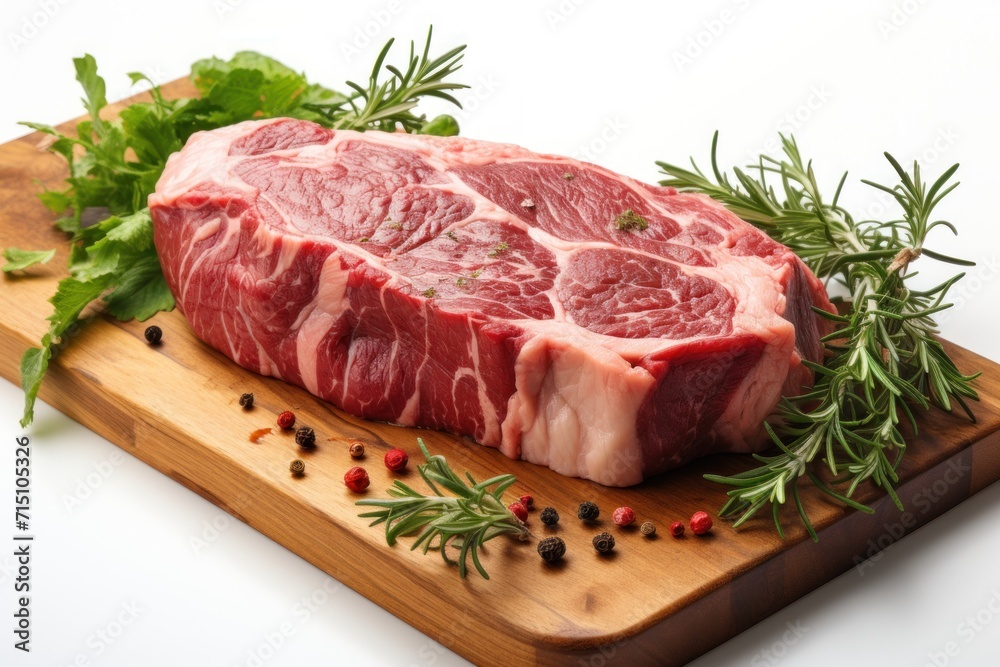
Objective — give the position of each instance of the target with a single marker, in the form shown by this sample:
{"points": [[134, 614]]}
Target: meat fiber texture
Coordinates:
{"points": [[486, 290]]}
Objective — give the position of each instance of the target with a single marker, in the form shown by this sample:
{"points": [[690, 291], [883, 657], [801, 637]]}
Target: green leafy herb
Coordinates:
{"points": [[629, 220], [883, 358], [19, 260], [386, 105], [465, 521], [114, 166], [429, 293]]}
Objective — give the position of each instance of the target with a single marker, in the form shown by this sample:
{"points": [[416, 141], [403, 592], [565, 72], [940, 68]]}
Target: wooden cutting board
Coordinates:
{"points": [[655, 601]]}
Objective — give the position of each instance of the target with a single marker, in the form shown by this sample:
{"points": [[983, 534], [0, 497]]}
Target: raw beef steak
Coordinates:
{"points": [[568, 315]]}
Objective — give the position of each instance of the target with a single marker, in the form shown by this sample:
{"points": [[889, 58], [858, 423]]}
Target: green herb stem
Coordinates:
{"points": [[465, 521], [883, 357], [114, 166]]}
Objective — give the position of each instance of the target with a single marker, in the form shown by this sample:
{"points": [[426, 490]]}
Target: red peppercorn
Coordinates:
{"points": [[623, 516], [527, 501], [701, 523], [396, 459], [519, 510], [677, 529], [286, 419], [356, 479]]}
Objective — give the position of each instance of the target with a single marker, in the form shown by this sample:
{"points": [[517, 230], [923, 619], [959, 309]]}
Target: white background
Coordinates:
{"points": [[603, 81]]}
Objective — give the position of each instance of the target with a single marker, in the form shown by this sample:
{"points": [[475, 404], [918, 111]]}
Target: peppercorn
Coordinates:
{"points": [[549, 516], [356, 479], [357, 449], [305, 437], [677, 529], [551, 549], [623, 516], [297, 467], [518, 510], [588, 511], [286, 419], [604, 542], [396, 459], [153, 334], [246, 401], [701, 523], [648, 529], [527, 501]]}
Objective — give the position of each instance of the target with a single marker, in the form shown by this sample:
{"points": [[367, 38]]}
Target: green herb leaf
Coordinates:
{"points": [[114, 166], [93, 88], [388, 104], [440, 126], [18, 260], [883, 356], [474, 514], [629, 220]]}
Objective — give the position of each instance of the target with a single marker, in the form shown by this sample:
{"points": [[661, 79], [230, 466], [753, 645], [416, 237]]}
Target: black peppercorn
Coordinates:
{"points": [[588, 511], [153, 334], [549, 516], [305, 437], [604, 542], [297, 468], [246, 400], [551, 549]]}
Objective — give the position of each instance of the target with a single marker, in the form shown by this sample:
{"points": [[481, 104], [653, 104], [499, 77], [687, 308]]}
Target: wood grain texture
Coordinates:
{"points": [[654, 601]]}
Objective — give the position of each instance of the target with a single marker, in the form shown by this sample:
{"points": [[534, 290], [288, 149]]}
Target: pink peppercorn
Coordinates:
{"points": [[701, 523], [519, 510], [396, 459], [623, 516], [677, 529], [286, 419], [527, 501], [356, 479]]}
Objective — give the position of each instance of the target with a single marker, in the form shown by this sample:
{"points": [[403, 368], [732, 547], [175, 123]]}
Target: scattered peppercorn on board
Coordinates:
{"points": [[653, 600]]}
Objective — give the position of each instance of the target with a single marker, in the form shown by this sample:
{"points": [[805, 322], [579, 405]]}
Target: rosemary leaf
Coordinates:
{"points": [[882, 359], [474, 515]]}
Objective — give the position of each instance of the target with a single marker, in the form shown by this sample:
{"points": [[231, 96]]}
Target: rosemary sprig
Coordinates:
{"points": [[475, 514], [386, 105], [883, 357]]}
